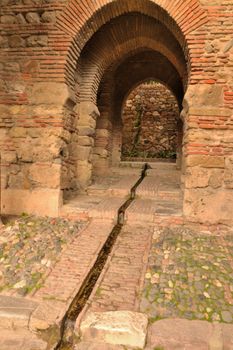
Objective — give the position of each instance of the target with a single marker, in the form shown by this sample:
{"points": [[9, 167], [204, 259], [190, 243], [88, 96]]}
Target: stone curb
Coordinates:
{"points": [[15, 312]]}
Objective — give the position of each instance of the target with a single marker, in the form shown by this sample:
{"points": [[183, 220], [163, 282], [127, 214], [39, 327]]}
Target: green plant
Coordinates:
{"points": [[166, 154]]}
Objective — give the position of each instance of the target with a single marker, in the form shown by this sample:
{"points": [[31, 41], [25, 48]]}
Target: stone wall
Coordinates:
{"points": [[149, 118]]}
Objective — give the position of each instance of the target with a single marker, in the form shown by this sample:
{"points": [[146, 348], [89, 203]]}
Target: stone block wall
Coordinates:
{"points": [[150, 116]]}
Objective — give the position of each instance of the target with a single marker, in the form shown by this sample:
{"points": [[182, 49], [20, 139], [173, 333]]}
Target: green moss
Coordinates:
{"points": [[98, 292]]}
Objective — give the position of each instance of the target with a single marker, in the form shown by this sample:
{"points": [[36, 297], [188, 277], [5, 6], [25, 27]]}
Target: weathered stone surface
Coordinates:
{"points": [[33, 17], [8, 19], [212, 206], [21, 340], [48, 17], [3, 41], [83, 153], [179, 334], [216, 179], [196, 177], [49, 93], [102, 133], [88, 109], [45, 175], [228, 175], [228, 46], [227, 334], [205, 161], [85, 141], [205, 94], [9, 157], [84, 172], [18, 132], [38, 202], [12, 67], [203, 111], [101, 152], [86, 131], [16, 41], [37, 40], [119, 328], [46, 315], [20, 18], [15, 312]]}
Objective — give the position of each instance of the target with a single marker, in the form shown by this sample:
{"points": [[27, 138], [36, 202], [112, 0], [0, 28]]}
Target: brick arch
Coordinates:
{"points": [[111, 44], [165, 73], [110, 101], [89, 87], [82, 19]]}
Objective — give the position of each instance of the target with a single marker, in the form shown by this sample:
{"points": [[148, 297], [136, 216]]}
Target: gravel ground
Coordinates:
{"points": [[190, 275], [29, 248]]}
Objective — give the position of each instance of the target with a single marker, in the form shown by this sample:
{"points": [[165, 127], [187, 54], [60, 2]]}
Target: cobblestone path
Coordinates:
{"points": [[190, 275], [29, 249]]}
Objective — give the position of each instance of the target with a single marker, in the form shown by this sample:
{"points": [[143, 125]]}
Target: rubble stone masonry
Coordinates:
{"points": [[150, 122]]}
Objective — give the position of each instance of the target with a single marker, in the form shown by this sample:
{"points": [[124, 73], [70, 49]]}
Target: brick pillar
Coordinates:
{"points": [[208, 161]]}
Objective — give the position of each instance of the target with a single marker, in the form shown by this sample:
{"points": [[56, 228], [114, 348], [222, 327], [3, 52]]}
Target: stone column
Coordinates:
{"points": [[32, 164], [101, 153], [179, 151], [116, 145], [86, 124]]}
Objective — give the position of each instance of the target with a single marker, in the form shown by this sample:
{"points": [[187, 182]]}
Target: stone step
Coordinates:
{"points": [[23, 340], [149, 210], [78, 208], [183, 334], [107, 208], [153, 165], [15, 312], [88, 207], [117, 328], [155, 189], [95, 346], [120, 188]]}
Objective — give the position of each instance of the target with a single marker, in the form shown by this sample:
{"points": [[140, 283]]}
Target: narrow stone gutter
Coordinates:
{"points": [[66, 341]]}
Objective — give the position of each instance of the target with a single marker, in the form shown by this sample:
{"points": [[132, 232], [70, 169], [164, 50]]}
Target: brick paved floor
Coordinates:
{"points": [[121, 281]]}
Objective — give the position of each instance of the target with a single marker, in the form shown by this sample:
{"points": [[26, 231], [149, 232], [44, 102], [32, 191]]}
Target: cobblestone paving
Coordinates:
{"points": [[190, 275], [29, 248]]}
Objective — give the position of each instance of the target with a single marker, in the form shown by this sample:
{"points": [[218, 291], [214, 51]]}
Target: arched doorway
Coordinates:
{"points": [[163, 42], [110, 64]]}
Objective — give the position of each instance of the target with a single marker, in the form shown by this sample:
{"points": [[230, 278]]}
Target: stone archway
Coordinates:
{"points": [[58, 85], [99, 65]]}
